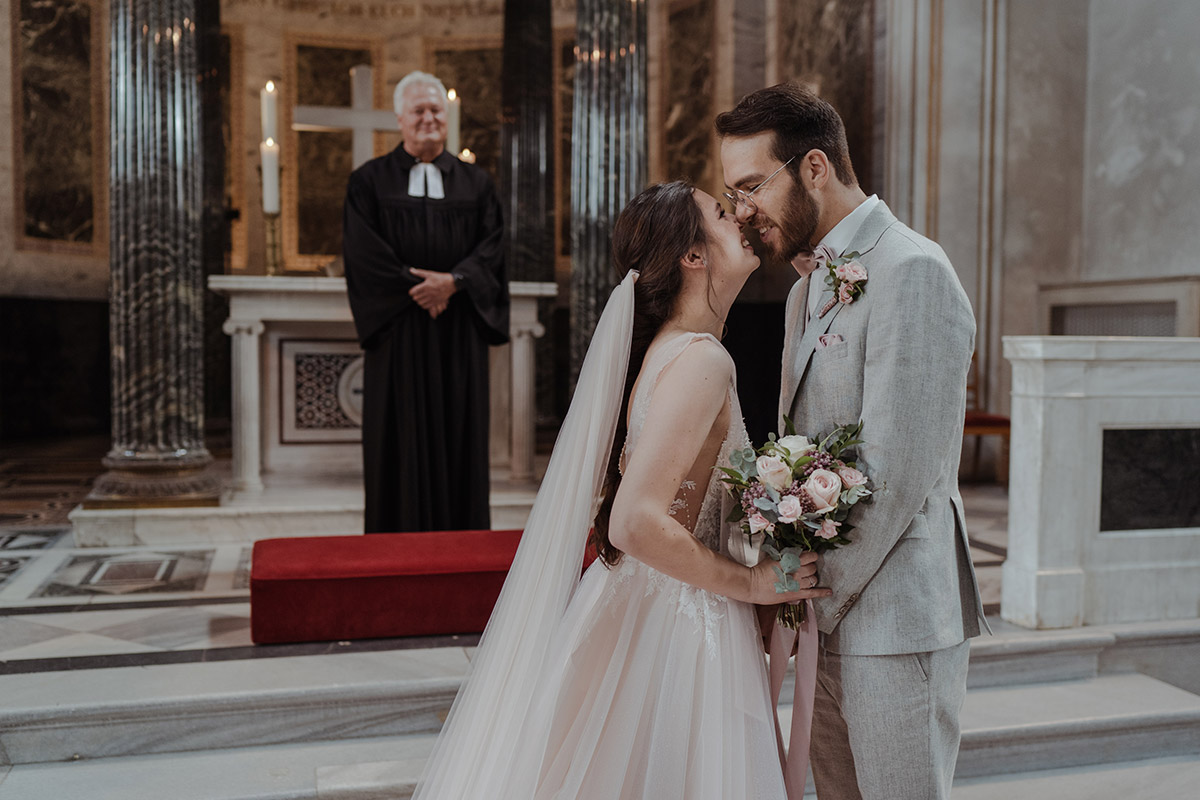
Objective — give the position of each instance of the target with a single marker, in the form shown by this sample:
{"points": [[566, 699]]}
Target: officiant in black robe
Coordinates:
{"points": [[427, 286]]}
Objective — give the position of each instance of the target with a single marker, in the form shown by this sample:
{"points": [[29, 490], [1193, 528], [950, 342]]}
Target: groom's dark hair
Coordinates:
{"points": [[801, 122]]}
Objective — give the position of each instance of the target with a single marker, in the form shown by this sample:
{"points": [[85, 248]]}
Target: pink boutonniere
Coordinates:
{"points": [[847, 280]]}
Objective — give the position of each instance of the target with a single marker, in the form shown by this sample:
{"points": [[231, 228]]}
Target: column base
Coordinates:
{"points": [[155, 485]]}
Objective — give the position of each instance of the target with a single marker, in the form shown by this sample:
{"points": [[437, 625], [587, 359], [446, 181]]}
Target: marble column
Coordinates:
{"points": [[156, 289], [608, 149], [526, 330], [526, 173]]}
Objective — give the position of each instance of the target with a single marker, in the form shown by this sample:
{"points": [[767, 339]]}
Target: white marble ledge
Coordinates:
{"points": [[226, 284], [287, 284], [42, 692], [1101, 348], [375, 780]]}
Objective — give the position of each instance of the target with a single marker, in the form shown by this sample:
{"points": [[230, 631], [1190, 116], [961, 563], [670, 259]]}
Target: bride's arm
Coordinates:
{"points": [[686, 403]]}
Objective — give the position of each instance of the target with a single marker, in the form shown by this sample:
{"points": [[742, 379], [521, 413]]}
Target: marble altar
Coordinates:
{"points": [[1103, 527], [296, 467]]}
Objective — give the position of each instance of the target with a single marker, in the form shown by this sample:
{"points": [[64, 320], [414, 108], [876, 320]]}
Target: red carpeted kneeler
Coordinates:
{"points": [[328, 588]]}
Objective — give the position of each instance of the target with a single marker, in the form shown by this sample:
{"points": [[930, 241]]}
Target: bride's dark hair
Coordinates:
{"points": [[652, 235]]}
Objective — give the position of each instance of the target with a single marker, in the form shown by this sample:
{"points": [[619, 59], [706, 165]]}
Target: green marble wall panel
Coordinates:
{"points": [[324, 159], [828, 45], [55, 92], [475, 75], [689, 87]]}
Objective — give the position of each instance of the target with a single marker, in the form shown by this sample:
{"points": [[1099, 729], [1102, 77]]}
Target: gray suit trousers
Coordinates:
{"points": [[901, 712]]}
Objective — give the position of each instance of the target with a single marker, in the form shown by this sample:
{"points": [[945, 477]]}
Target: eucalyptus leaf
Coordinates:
{"points": [[790, 562]]}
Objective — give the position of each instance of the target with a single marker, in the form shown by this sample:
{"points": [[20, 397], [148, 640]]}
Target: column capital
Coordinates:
{"points": [[532, 330], [243, 327]]}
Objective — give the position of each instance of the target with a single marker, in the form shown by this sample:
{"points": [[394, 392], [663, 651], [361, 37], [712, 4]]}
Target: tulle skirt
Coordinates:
{"points": [[654, 689]]}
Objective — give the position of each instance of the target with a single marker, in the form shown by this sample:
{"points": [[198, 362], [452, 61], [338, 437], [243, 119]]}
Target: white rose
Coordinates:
{"points": [[774, 472], [823, 487], [790, 509], [796, 446], [759, 523]]}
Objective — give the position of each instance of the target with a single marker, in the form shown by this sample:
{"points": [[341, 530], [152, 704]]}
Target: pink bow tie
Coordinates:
{"points": [[824, 254]]}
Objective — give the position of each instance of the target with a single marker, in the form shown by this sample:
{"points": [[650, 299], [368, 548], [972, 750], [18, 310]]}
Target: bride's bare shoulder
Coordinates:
{"points": [[702, 359]]}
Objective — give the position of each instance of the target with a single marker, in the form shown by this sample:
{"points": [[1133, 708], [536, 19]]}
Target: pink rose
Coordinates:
{"points": [[758, 524], [823, 487], [851, 272], [828, 529], [790, 509], [774, 472], [845, 294], [851, 476]]}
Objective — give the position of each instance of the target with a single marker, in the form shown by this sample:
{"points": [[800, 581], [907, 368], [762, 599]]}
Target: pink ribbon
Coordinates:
{"points": [[795, 760]]}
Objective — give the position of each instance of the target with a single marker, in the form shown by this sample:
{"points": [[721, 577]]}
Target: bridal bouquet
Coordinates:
{"points": [[797, 492]]}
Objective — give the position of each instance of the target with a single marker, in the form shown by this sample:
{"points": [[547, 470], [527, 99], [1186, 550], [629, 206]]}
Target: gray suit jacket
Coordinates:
{"points": [[906, 583]]}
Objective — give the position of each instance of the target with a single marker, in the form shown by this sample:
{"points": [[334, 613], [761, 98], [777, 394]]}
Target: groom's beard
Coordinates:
{"points": [[795, 228]]}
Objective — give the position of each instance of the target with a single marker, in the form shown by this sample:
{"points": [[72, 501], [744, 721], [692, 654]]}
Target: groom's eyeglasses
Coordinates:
{"points": [[738, 197]]}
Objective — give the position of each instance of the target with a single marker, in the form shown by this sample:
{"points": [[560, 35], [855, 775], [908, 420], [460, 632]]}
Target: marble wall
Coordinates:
{"points": [[829, 46], [52, 78], [1041, 238], [689, 93], [474, 72], [323, 158], [1142, 156], [54, 53]]}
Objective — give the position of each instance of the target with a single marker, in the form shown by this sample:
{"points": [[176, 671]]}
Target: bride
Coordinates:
{"points": [[646, 678]]}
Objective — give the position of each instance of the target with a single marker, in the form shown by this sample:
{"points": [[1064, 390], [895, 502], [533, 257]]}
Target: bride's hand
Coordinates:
{"points": [[763, 578]]}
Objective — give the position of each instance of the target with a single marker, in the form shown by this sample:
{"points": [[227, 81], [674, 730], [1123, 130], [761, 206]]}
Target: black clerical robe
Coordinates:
{"points": [[425, 381]]}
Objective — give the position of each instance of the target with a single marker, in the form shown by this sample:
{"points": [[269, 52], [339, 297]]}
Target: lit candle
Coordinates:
{"points": [[269, 150], [467, 156], [267, 99], [453, 111]]}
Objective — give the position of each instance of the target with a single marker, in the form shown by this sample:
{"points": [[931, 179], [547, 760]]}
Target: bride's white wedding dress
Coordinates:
{"points": [[658, 689], [626, 684]]}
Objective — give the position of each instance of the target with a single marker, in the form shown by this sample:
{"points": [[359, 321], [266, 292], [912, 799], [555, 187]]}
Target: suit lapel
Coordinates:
{"points": [[872, 229], [808, 343], [796, 359], [793, 329]]}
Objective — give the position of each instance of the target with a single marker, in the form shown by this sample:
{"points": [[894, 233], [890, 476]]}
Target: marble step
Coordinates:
{"points": [[1016, 657], [1153, 779], [1111, 718], [1107, 719], [325, 770], [108, 713]]}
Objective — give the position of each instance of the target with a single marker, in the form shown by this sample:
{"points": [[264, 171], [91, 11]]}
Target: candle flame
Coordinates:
{"points": [[467, 156], [452, 95], [270, 86], [270, 142]]}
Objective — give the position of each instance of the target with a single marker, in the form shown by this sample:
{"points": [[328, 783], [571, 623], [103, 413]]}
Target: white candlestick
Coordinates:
{"points": [[453, 115], [268, 98], [269, 151]]}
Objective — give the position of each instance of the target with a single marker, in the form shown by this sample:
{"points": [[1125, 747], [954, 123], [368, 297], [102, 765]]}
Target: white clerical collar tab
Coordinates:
{"points": [[424, 177]]}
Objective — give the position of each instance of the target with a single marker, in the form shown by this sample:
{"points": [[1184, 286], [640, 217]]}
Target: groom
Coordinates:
{"points": [[892, 348]]}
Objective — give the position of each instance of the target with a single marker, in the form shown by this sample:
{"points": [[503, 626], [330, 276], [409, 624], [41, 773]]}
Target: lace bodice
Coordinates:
{"points": [[697, 506]]}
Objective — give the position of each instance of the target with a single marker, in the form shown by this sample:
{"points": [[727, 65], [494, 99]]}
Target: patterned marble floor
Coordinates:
{"points": [[64, 608]]}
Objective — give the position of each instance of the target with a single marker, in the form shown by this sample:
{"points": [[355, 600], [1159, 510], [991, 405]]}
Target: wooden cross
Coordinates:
{"points": [[361, 117]]}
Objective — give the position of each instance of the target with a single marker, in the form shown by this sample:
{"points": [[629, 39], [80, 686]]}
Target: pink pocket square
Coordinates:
{"points": [[827, 339]]}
